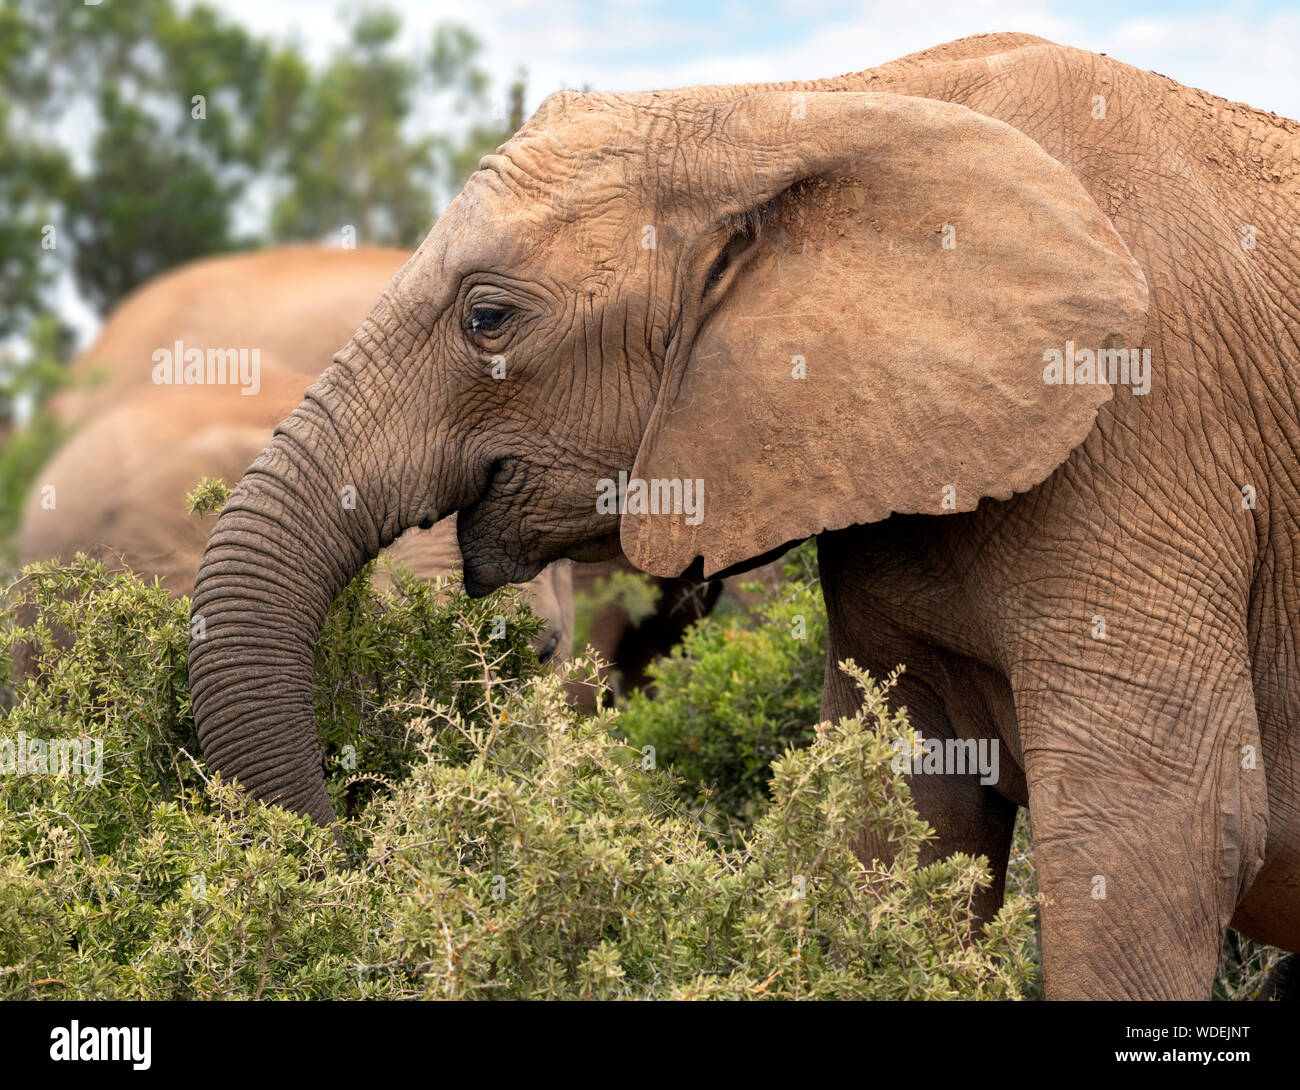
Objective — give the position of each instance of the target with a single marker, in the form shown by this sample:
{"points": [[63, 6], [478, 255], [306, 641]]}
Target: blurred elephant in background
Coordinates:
{"points": [[296, 304], [1008, 327]]}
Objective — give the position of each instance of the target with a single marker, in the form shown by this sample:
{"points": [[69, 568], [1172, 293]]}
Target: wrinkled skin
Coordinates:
{"points": [[974, 521], [121, 481]]}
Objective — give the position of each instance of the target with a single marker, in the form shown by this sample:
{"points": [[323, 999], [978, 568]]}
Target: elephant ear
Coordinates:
{"points": [[889, 278]]}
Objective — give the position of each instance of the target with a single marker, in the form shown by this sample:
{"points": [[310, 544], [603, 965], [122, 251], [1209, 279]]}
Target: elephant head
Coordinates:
{"points": [[750, 289]]}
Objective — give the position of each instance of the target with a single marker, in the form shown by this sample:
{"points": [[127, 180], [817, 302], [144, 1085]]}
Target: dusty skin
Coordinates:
{"points": [[648, 266]]}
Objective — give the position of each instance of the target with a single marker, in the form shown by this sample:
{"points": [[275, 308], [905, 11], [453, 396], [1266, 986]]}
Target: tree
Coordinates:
{"points": [[378, 140], [167, 140], [193, 136], [188, 121]]}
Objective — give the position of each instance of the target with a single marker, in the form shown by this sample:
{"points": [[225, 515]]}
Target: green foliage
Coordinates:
{"points": [[31, 175], [512, 847], [344, 148], [147, 204], [736, 692], [1022, 881], [207, 497], [194, 136], [1244, 967], [380, 655], [339, 144], [622, 895], [162, 177]]}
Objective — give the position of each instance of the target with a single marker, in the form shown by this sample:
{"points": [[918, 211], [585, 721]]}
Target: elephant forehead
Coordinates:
{"points": [[483, 228], [552, 193], [569, 124], [496, 224], [487, 225]]}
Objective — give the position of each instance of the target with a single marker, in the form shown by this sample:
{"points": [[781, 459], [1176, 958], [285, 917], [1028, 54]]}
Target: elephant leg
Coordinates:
{"points": [[967, 816], [1149, 811]]}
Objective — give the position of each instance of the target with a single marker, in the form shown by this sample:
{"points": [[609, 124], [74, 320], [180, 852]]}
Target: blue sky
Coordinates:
{"points": [[1242, 50]]}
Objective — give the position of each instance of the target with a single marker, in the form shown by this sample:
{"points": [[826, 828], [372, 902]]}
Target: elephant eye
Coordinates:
{"points": [[486, 319]]}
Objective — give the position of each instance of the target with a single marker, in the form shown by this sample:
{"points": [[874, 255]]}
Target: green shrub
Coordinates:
{"points": [[736, 692], [506, 846]]}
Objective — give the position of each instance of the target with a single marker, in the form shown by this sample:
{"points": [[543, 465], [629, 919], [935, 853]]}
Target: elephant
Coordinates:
{"points": [[297, 304], [1003, 325], [118, 486]]}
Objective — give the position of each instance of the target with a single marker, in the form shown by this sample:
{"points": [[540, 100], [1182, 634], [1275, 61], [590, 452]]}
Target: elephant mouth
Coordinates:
{"points": [[487, 566], [489, 532], [488, 526], [546, 652]]}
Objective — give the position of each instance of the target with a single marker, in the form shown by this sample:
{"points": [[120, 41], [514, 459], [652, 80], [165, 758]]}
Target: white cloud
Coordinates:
{"points": [[1237, 56], [877, 33], [1238, 51]]}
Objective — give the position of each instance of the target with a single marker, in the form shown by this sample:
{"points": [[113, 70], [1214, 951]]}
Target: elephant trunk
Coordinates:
{"points": [[332, 489]]}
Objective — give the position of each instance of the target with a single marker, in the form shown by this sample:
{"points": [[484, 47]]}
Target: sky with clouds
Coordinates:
{"points": [[1244, 50]]}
